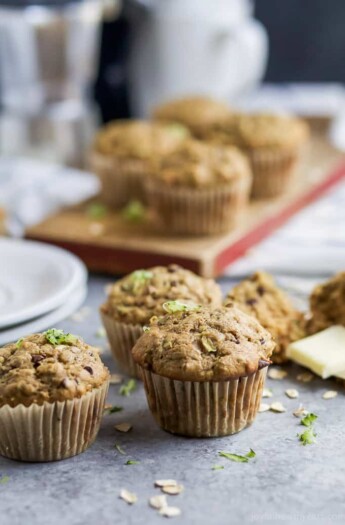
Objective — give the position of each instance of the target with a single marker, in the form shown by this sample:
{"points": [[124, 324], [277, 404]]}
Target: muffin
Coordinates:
{"points": [[52, 392], [195, 113], [327, 304], [273, 144], [260, 297], [123, 153], [200, 189], [204, 369], [135, 299]]}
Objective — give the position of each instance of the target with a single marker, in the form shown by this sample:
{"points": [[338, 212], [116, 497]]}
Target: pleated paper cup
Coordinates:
{"points": [[121, 179], [198, 211], [273, 171], [204, 409], [51, 431], [122, 337]]}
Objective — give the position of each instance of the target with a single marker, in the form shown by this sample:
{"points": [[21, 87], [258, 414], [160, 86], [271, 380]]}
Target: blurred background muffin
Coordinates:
{"points": [[124, 152], [200, 189]]}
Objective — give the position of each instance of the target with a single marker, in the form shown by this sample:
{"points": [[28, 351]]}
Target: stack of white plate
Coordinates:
{"points": [[40, 285]]}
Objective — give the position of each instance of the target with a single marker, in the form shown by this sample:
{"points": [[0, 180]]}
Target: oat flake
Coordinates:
{"points": [[128, 497], [123, 427], [170, 512], [330, 394], [292, 393], [173, 490], [158, 502], [264, 407], [277, 407], [277, 373]]}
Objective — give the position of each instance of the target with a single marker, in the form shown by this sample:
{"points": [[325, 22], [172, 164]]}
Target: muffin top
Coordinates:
{"points": [[52, 366], [261, 298], [258, 131], [199, 165], [193, 112], [327, 304], [142, 294], [139, 139], [204, 344]]}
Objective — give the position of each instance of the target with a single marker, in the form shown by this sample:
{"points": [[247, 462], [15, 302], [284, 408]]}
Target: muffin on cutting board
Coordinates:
{"points": [[135, 299], [260, 297]]}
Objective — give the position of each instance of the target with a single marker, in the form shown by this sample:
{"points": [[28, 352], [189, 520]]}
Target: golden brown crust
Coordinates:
{"points": [[141, 294], [199, 165], [327, 304], [137, 139], [257, 131], [193, 112], [204, 345], [260, 297], [34, 371]]}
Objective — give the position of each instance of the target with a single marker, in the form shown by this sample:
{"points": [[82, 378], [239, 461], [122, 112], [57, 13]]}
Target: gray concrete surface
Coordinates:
{"points": [[286, 482]]}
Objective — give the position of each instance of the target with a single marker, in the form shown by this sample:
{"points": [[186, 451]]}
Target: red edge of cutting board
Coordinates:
{"points": [[238, 248]]}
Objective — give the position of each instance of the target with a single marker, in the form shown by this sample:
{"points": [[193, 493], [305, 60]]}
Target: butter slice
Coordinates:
{"points": [[323, 353]]}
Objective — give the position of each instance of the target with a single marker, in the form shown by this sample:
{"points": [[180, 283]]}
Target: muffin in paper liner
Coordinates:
{"points": [[121, 179], [122, 337], [204, 409], [208, 211], [273, 171], [52, 431]]}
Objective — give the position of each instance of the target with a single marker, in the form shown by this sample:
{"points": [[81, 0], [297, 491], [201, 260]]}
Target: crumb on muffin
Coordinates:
{"points": [[260, 297], [327, 304], [199, 165], [204, 344], [141, 294], [50, 366]]}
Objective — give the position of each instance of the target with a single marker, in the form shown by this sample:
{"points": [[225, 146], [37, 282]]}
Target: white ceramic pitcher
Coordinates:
{"points": [[182, 47]]}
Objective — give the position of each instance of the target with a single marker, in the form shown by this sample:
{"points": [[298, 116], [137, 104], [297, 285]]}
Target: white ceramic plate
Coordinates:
{"points": [[35, 278], [46, 321]]}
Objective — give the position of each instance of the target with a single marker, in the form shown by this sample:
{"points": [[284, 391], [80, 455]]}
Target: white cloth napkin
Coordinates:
{"points": [[30, 190]]}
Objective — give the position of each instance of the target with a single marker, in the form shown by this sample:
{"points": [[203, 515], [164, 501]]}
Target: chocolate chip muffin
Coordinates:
{"points": [[123, 153], [273, 144], [193, 112], [52, 392], [260, 297], [200, 189], [204, 369], [141, 295], [327, 304]]}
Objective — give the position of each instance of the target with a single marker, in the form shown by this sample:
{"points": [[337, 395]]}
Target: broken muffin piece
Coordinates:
{"points": [[260, 297]]}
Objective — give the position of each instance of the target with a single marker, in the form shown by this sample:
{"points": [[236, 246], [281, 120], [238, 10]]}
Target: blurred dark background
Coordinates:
{"points": [[307, 44]]}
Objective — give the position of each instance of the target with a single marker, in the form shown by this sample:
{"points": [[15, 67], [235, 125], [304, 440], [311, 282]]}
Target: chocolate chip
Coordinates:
{"points": [[262, 341], [89, 369], [172, 268], [63, 383], [173, 283], [262, 363], [36, 359], [251, 302], [261, 290]]}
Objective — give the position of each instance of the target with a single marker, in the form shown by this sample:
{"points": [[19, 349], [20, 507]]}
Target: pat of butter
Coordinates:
{"points": [[323, 353]]}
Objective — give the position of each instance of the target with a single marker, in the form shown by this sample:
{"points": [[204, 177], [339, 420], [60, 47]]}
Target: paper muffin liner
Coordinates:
{"points": [[273, 171], [121, 179], [122, 337], [51, 431], [198, 211], [204, 409]]}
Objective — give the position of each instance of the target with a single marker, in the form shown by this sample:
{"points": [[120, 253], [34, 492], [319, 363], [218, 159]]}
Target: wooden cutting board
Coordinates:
{"points": [[116, 246]]}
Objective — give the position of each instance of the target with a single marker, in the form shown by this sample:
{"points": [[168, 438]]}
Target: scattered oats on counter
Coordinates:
{"points": [[128, 497], [158, 502], [123, 427], [292, 393], [264, 407], [277, 407], [300, 411], [170, 512], [172, 490], [116, 379], [120, 449], [165, 483], [330, 394], [305, 377], [267, 392], [277, 373]]}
